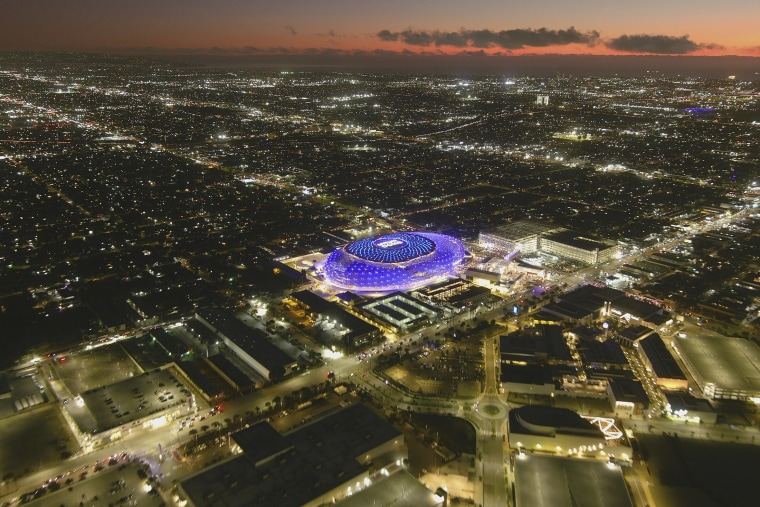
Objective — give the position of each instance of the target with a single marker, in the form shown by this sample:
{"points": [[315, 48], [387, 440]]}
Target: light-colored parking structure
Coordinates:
{"points": [[151, 399], [723, 367], [550, 481]]}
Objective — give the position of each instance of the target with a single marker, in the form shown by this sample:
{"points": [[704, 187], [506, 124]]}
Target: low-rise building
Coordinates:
{"points": [[627, 397], [248, 344], [105, 413], [685, 407], [562, 432], [665, 370], [319, 463], [723, 367]]}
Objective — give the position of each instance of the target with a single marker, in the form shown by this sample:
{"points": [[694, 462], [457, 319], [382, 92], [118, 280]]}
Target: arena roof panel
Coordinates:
{"points": [[394, 262]]}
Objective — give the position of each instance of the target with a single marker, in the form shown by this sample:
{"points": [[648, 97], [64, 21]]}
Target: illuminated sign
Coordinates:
{"points": [[389, 243]]}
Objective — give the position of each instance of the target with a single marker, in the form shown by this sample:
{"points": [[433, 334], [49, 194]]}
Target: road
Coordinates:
{"points": [[489, 419]]}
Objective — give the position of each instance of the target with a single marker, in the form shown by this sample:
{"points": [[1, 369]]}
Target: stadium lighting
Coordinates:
{"points": [[394, 262]]}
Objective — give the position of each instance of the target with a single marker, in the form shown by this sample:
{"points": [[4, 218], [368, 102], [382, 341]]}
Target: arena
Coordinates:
{"points": [[394, 262]]}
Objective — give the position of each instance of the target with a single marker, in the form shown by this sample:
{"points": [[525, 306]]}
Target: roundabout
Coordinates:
{"points": [[491, 410]]}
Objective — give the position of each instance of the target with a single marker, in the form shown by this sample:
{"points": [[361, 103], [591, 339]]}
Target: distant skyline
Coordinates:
{"points": [[331, 29]]}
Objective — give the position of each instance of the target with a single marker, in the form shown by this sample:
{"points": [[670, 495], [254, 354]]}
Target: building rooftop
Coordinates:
{"points": [[596, 352], [567, 309], [292, 469], [235, 374], [541, 343], [629, 390], [637, 332], [545, 420], [663, 363], [400, 489], [250, 340], [565, 482], [684, 401], [400, 310], [261, 442], [521, 229], [729, 363], [321, 306], [132, 399], [531, 374], [576, 240]]}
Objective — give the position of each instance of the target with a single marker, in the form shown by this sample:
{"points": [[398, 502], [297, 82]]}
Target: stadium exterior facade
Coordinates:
{"points": [[398, 261]]}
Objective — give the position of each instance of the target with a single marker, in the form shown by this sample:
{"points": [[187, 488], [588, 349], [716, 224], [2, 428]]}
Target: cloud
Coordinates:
{"points": [[713, 46], [456, 39], [325, 51], [507, 39], [656, 44], [387, 35], [291, 30], [420, 38], [520, 38]]}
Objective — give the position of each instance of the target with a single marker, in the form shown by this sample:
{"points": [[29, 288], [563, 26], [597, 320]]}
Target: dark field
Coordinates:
{"points": [[700, 473]]}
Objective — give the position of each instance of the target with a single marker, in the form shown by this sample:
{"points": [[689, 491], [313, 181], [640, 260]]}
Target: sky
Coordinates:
{"points": [[384, 27]]}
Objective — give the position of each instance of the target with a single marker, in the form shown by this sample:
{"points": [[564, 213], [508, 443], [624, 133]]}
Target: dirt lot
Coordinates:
{"points": [[34, 439]]}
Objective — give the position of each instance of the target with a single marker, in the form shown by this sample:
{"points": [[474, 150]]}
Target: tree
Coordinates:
{"points": [[194, 433]]}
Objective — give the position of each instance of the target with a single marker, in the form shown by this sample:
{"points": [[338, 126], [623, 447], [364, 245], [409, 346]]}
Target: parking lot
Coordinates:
{"points": [[454, 369], [91, 368], [115, 482]]}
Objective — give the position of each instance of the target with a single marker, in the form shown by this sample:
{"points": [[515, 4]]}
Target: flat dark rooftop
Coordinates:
{"points": [[261, 441], [235, 374], [567, 309], [544, 339], [576, 240], [531, 374], [251, 340], [564, 420], [322, 306], [301, 465], [629, 390], [607, 352], [663, 363]]}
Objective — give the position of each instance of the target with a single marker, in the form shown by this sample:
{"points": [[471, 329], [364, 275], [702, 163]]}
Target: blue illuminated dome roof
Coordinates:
{"points": [[398, 261], [398, 247]]}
